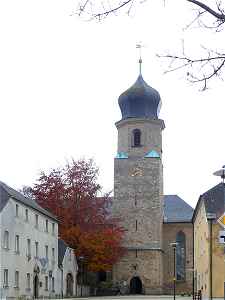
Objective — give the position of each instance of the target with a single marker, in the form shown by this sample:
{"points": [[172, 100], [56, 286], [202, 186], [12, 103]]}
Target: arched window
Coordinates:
{"points": [[180, 256], [136, 138]]}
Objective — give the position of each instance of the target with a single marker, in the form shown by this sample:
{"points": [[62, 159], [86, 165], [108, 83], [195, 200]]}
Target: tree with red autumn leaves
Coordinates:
{"points": [[71, 194]]}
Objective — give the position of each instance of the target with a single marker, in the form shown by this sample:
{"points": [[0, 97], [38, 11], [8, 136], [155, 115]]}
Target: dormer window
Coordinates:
{"points": [[136, 138]]}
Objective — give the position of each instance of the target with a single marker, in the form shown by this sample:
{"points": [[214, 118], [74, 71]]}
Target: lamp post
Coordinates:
{"points": [[210, 218], [174, 246]]}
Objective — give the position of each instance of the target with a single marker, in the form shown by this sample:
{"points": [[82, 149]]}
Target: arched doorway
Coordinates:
{"points": [[135, 285], [69, 284], [36, 286]]}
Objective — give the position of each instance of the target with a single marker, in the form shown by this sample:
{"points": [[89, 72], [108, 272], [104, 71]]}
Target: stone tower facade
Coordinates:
{"points": [[138, 189]]}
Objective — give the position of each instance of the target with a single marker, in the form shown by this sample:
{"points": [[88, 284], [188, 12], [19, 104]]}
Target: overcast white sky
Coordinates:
{"points": [[61, 77]]}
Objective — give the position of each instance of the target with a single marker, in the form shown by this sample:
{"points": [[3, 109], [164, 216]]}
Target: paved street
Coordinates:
{"points": [[137, 297]]}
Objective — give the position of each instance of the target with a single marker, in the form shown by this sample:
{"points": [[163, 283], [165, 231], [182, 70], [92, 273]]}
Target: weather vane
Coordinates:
{"points": [[140, 46]]}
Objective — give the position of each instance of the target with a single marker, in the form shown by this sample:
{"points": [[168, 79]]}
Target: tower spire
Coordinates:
{"points": [[139, 46]]}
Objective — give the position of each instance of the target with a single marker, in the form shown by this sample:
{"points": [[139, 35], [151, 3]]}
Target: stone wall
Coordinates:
{"points": [[145, 264], [138, 202]]}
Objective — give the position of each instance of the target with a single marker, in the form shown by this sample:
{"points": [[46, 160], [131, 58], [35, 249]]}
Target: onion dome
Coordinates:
{"points": [[140, 101]]}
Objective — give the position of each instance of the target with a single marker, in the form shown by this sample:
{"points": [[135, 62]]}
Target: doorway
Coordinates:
{"points": [[69, 285], [36, 286], [135, 285]]}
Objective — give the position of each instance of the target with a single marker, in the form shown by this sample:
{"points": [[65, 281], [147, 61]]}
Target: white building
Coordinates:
{"points": [[29, 248], [68, 270]]}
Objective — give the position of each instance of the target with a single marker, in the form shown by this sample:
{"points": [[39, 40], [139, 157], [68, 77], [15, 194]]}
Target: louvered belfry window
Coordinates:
{"points": [[136, 138]]}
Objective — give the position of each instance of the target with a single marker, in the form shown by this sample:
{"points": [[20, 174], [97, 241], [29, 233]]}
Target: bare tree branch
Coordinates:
{"points": [[198, 69], [217, 15], [106, 11]]}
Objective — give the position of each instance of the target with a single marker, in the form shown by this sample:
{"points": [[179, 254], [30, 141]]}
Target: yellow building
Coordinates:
{"points": [[206, 231]]}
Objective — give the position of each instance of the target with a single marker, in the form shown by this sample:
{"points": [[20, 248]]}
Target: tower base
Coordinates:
{"points": [[140, 271]]}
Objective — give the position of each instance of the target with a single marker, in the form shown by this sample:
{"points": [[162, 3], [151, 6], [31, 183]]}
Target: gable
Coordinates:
{"points": [[7, 192], [214, 201]]}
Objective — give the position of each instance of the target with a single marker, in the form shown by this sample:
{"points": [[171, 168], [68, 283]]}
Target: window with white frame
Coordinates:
{"points": [[26, 215], [46, 225], [17, 210], [28, 248], [36, 221], [46, 251], [28, 281], [53, 254], [53, 284], [46, 283], [36, 249], [6, 278], [16, 279], [6, 240], [53, 228], [17, 244]]}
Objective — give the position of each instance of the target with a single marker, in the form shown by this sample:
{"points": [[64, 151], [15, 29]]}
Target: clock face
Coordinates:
{"points": [[136, 171]]}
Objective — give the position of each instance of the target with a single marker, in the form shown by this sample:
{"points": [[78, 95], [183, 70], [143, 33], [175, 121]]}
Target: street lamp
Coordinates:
{"points": [[220, 173], [174, 246], [210, 218]]}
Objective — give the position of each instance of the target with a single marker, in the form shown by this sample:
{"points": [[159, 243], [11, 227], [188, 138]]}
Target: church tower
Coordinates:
{"points": [[138, 189]]}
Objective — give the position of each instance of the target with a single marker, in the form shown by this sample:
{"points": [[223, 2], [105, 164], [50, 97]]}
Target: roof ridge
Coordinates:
{"points": [[18, 196]]}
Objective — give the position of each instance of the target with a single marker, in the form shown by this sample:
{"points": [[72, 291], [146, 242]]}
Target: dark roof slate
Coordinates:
{"points": [[7, 192], [61, 251], [214, 200], [176, 210]]}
